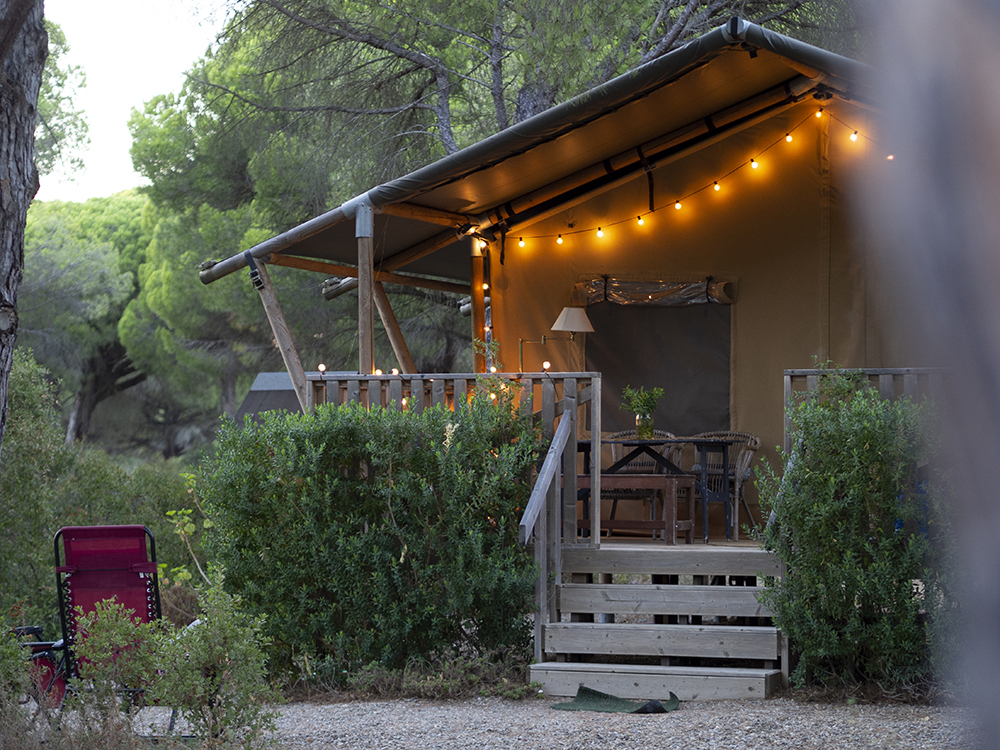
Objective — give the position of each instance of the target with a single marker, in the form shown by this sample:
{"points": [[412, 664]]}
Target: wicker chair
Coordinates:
{"points": [[740, 468], [641, 464]]}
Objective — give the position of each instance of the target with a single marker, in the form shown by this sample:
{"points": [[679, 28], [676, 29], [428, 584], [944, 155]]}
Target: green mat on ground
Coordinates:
{"points": [[593, 700]]}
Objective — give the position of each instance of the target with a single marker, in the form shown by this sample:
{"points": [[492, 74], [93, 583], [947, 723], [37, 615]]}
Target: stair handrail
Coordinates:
{"points": [[546, 476]]}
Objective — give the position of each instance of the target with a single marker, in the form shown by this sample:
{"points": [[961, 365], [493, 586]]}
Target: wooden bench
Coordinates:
{"points": [[668, 486]]}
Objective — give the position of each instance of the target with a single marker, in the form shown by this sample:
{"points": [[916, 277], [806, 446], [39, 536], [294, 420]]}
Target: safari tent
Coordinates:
{"points": [[699, 209]]}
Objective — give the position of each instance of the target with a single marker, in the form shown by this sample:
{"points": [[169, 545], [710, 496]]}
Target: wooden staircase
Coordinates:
{"points": [[696, 628]]}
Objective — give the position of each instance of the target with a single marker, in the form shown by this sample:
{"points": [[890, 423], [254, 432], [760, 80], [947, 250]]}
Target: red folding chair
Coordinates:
{"points": [[93, 564]]}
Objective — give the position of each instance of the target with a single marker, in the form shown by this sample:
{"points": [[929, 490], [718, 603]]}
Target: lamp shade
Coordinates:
{"points": [[573, 319]]}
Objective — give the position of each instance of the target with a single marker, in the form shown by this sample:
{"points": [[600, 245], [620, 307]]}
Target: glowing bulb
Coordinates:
{"points": [[600, 232], [754, 164], [520, 242], [546, 365], [404, 402], [493, 397], [717, 187], [493, 368], [482, 244], [395, 371], [890, 157], [641, 222], [854, 135], [788, 137], [321, 367], [677, 205], [559, 240], [486, 328], [377, 371], [819, 112], [485, 286]]}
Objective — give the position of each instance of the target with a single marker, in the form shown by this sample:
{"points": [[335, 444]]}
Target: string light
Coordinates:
{"points": [[493, 369], [485, 286], [890, 157], [321, 367], [395, 371], [546, 365], [753, 163], [378, 372]]}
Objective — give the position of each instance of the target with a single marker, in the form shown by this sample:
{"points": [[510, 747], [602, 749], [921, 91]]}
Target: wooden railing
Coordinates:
{"points": [[892, 383]]}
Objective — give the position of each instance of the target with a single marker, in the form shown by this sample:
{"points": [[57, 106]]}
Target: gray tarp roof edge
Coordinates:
{"points": [[564, 117]]}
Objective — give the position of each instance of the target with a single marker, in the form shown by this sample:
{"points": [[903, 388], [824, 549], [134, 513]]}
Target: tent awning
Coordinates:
{"points": [[636, 122]]}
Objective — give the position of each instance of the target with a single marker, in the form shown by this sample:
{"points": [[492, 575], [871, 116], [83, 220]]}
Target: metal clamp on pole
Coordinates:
{"points": [[258, 282]]}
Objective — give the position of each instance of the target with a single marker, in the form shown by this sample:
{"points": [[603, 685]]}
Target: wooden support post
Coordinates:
{"points": [[478, 278], [364, 231], [595, 461], [569, 464], [392, 328], [282, 336]]}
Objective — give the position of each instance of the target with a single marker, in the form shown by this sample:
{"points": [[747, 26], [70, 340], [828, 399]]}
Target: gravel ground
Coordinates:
{"points": [[483, 724]]}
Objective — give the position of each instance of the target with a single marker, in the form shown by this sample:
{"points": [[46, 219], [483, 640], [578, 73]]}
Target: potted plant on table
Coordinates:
{"points": [[642, 403]]}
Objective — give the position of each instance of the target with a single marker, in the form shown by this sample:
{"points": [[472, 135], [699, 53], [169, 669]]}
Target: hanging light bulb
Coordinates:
{"points": [[405, 401], [321, 367], [677, 205], [482, 244], [485, 286], [493, 369], [520, 242], [377, 371], [890, 157], [819, 112], [559, 240], [788, 137], [546, 365], [395, 371], [717, 186], [600, 232], [754, 164], [854, 135], [641, 222]]}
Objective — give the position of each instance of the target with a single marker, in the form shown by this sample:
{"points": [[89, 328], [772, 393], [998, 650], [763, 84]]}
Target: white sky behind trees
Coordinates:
{"points": [[130, 51]]}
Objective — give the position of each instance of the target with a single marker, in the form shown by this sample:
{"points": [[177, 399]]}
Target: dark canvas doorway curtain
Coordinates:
{"points": [[683, 350]]}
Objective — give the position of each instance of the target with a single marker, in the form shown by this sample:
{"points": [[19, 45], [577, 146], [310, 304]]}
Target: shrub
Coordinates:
{"points": [[213, 673], [45, 485], [378, 536], [864, 544]]}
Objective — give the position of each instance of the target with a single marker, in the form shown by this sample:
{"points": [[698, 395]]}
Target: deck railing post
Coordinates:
{"points": [[569, 493]]}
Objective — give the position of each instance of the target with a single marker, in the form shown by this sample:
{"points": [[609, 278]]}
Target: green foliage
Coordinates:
{"points": [[212, 672], [867, 589], [45, 485], [61, 130], [639, 400], [378, 536]]}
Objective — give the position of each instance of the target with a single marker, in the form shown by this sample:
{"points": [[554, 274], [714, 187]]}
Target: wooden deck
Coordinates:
{"points": [[639, 619]]}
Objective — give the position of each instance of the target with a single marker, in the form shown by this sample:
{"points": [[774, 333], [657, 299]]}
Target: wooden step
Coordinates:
{"points": [[661, 559], [592, 598], [643, 682], [708, 641]]}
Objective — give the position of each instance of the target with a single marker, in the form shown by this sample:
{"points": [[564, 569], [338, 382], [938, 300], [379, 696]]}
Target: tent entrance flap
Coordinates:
{"points": [[657, 293]]}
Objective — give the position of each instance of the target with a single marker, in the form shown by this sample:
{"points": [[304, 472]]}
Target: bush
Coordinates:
{"points": [[45, 485], [378, 536], [864, 544], [213, 673]]}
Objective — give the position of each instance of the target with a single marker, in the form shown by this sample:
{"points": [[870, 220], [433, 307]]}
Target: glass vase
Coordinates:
{"points": [[644, 426]]}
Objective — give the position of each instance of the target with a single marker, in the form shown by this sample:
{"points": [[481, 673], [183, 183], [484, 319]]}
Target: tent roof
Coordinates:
{"points": [[636, 121]]}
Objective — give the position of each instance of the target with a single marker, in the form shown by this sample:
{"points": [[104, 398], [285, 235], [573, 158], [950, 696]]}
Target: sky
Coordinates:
{"points": [[130, 51]]}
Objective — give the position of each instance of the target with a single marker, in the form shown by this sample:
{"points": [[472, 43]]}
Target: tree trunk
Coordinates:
{"points": [[107, 373], [23, 48]]}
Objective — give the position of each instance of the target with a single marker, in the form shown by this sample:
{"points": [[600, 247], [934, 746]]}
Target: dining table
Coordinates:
{"points": [[705, 446]]}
